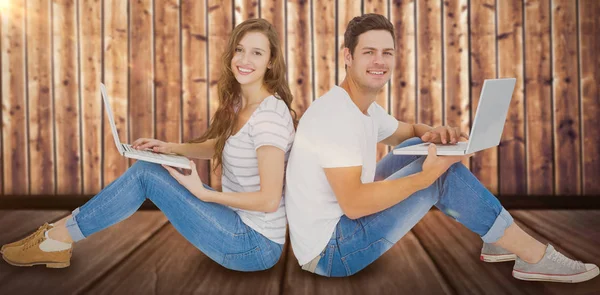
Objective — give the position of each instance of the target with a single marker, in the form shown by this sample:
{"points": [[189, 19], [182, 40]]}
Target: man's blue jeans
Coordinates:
{"points": [[357, 243], [214, 229]]}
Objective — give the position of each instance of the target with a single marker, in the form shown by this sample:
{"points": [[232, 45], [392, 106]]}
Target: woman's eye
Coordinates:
{"points": [[257, 53], [238, 50]]}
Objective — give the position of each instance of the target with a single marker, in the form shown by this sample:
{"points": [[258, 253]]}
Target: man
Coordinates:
{"points": [[341, 220]]}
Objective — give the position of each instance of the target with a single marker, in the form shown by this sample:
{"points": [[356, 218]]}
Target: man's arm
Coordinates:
{"points": [[359, 199], [406, 131]]}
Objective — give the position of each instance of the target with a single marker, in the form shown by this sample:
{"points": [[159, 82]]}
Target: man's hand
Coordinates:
{"points": [[444, 134], [434, 165]]}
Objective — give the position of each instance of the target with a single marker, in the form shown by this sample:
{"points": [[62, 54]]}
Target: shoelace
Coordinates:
{"points": [[32, 243], [34, 234], [564, 260]]}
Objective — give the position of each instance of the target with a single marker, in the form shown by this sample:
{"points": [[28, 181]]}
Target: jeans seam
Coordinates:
{"points": [[330, 259]]}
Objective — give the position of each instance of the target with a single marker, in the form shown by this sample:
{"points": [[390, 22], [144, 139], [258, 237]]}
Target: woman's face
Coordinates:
{"points": [[251, 58]]}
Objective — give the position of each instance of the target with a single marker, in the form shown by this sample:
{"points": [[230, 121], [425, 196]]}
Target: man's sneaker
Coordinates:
{"points": [[31, 253], [41, 230], [555, 267], [493, 253]]}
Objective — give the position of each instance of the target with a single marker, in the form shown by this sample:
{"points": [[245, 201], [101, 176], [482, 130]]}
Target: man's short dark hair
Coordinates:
{"points": [[364, 23]]}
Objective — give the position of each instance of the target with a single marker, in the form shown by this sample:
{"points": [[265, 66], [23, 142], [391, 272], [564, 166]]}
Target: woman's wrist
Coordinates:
{"points": [[174, 147]]}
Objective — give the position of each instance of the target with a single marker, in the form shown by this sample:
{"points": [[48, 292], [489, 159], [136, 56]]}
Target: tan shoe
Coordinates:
{"points": [[31, 253], [39, 231]]}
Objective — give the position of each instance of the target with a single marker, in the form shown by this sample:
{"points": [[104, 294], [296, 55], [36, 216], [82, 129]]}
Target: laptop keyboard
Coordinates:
{"points": [[144, 153], [459, 146]]}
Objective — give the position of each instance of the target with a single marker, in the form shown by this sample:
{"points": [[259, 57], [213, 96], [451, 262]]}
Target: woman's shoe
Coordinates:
{"points": [[39, 250], [39, 231]]}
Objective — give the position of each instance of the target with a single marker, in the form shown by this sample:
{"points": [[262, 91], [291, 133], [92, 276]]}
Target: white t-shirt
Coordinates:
{"points": [[270, 124], [333, 132]]}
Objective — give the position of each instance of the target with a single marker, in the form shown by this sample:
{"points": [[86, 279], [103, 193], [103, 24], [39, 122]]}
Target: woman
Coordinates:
{"points": [[243, 227]]}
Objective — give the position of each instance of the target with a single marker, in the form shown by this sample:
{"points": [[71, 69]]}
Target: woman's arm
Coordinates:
{"points": [[202, 150], [271, 163]]}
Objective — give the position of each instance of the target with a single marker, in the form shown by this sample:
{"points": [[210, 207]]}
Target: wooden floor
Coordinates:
{"points": [[146, 255]]}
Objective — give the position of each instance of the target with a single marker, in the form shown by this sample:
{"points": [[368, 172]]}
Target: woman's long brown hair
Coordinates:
{"points": [[224, 119]]}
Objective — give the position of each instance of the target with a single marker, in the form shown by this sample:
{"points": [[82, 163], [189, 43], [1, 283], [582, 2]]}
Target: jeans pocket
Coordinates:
{"points": [[251, 260], [361, 258]]}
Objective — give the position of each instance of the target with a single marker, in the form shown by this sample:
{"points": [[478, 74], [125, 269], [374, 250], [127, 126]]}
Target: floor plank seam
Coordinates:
{"points": [[93, 284], [284, 272], [447, 281]]}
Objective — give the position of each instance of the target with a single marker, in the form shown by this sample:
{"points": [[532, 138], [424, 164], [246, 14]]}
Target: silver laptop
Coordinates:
{"points": [[488, 124], [127, 151]]}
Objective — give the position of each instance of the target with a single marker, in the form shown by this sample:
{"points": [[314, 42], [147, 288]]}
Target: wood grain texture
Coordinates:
{"points": [[538, 93], [567, 139], [399, 270], [589, 46], [168, 257], [346, 10], [299, 62], [245, 9], [429, 63], [274, 12], [324, 46], [92, 258], [66, 96], [167, 83], [483, 66], [511, 152], [116, 80], [380, 7], [455, 19], [403, 82], [14, 104], [220, 26], [194, 75], [141, 72], [90, 59], [40, 105]]}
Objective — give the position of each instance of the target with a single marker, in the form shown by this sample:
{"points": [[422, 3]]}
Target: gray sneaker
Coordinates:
{"points": [[555, 267], [493, 253]]}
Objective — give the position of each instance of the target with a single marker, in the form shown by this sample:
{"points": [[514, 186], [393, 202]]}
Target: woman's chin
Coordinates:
{"points": [[243, 80]]}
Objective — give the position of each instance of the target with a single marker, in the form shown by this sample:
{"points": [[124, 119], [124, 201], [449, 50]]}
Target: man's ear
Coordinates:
{"points": [[347, 56]]}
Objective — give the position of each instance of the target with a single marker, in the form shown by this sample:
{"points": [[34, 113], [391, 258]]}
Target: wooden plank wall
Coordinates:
{"points": [[160, 62]]}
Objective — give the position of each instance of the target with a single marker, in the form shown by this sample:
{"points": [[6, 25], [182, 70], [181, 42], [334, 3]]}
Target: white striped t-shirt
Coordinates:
{"points": [[270, 124]]}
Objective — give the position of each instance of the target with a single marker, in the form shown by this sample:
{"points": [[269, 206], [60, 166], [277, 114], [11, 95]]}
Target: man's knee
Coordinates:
{"points": [[409, 142]]}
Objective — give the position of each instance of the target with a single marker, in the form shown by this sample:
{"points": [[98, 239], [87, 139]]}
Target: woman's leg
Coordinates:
{"points": [[214, 229]]}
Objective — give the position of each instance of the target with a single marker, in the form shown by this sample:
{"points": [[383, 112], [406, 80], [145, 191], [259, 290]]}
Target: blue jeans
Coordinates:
{"points": [[214, 229], [357, 243]]}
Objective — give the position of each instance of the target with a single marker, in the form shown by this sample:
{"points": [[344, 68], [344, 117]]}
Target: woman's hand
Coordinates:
{"points": [[155, 145], [192, 181]]}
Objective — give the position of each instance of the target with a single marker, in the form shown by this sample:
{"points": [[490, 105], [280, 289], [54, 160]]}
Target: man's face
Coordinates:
{"points": [[373, 60]]}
